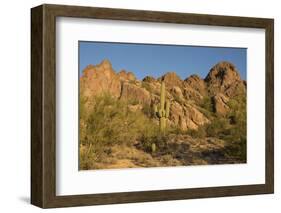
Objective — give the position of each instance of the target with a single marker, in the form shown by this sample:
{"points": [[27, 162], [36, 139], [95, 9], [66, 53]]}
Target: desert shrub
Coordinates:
{"points": [[238, 109], [198, 133], [216, 127], [238, 115], [207, 113], [83, 113], [207, 104], [238, 149], [82, 107], [110, 122], [148, 110], [153, 138], [86, 158], [133, 101], [236, 133], [177, 130], [236, 139]]}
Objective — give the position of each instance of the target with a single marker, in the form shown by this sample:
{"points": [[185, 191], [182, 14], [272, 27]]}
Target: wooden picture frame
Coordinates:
{"points": [[43, 105]]}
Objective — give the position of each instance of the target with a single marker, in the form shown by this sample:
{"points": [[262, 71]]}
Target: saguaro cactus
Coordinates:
{"points": [[162, 111]]}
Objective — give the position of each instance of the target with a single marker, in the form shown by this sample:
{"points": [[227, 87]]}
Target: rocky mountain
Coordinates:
{"points": [[188, 97]]}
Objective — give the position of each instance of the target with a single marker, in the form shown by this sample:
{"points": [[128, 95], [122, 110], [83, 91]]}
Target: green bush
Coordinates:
{"points": [[207, 113], [207, 104], [148, 110], [237, 149], [110, 122], [216, 127], [198, 133], [133, 101], [238, 108], [154, 138]]}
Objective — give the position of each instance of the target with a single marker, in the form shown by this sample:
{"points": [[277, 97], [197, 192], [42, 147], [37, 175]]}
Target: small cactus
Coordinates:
{"points": [[162, 111], [153, 147]]}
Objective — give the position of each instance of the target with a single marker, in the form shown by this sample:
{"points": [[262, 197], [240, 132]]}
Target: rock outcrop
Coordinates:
{"points": [[196, 83], [149, 79], [126, 76], [224, 78], [135, 93], [186, 116], [171, 79], [100, 79], [220, 104], [222, 83]]}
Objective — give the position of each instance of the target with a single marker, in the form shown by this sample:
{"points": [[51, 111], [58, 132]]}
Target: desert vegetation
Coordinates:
{"points": [[126, 123]]}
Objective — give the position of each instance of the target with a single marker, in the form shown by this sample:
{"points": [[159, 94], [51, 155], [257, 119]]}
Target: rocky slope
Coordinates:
{"points": [[187, 97], [118, 127]]}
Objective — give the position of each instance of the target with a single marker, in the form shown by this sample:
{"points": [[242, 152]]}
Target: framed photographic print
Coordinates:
{"points": [[137, 106]]}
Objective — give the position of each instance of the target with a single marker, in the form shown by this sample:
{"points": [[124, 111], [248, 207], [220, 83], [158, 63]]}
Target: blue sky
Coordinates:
{"points": [[155, 60]]}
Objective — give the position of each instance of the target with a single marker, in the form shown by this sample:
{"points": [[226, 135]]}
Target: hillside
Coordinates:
{"points": [[119, 129]]}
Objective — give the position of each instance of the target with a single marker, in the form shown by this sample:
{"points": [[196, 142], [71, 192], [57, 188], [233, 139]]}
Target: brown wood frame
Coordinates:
{"points": [[43, 105]]}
